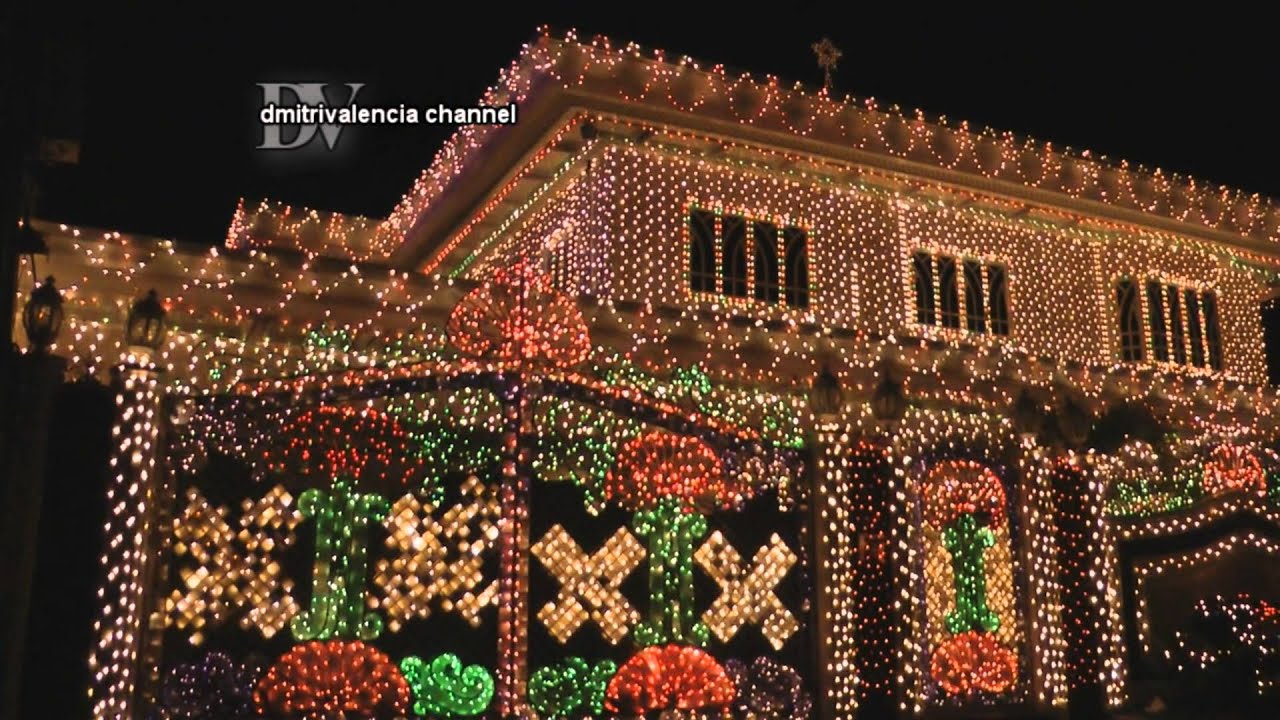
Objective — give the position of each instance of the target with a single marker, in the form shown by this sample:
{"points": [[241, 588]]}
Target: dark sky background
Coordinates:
{"points": [[169, 123]]}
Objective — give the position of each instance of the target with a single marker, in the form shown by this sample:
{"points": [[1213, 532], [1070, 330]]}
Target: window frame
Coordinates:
{"points": [[778, 295], [1197, 349], [994, 321]]}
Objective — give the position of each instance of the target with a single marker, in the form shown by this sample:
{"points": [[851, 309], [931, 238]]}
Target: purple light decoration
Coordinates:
{"points": [[215, 687], [768, 689]]}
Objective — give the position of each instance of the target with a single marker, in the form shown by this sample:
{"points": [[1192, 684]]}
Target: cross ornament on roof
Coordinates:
{"points": [[828, 56]]}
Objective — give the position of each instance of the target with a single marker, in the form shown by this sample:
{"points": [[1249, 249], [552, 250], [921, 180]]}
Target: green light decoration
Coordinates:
{"points": [[767, 412], [672, 532], [570, 688], [670, 481], [444, 688], [578, 443], [456, 450], [691, 383], [1144, 494], [967, 541], [341, 562]]}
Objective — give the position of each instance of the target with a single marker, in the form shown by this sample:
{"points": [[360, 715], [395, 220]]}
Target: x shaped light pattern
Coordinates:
{"points": [[747, 593], [589, 583], [441, 558], [233, 569]]}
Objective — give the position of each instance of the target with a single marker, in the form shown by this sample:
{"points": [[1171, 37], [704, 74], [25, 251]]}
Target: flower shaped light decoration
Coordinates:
{"points": [[974, 661], [768, 689], [367, 456], [214, 688], [670, 481], [965, 500], [669, 677], [517, 317], [317, 680], [1231, 468]]}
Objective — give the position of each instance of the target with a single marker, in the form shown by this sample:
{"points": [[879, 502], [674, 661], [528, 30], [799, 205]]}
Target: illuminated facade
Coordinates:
{"points": [[542, 442]]}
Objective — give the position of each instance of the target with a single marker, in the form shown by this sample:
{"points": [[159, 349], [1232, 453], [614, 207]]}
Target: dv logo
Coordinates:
{"points": [[301, 106]]}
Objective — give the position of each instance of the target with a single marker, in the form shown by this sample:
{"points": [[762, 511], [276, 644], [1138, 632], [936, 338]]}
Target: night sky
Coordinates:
{"points": [[169, 127], [168, 131]]}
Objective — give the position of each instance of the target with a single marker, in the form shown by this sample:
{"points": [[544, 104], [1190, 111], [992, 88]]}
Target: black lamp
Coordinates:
{"points": [[145, 328], [42, 315], [888, 402], [1027, 414], [825, 397]]}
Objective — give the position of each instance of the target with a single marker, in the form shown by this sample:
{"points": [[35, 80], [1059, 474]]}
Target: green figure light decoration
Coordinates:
{"points": [[967, 541], [671, 533], [444, 688], [338, 580], [366, 456], [570, 688], [669, 481], [964, 500]]}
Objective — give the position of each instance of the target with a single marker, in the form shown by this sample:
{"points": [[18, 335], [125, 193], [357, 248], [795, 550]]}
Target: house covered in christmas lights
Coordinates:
{"points": [[691, 392]]}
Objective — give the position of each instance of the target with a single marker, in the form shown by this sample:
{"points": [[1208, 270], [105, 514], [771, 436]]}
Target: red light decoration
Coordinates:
{"points": [[974, 661], [318, 680], [659, 465], [956, 487], [666, 677], [1232, 468], [362, 444], [517, 316]]}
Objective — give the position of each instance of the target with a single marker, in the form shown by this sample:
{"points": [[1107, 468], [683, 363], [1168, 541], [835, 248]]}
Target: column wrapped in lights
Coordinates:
{"points": [[131, 505], [513, 554], [1077, 535], [870, 469], [834, 574]]}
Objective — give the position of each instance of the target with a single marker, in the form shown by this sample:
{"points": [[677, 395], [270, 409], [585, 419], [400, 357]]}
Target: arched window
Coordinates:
{"points": [[922, 270], [1130, 320], [975, 319], [1155, 317], [1194, 333], [1179, 333], [702, 251], [948, 290], [1212, 330], [733, 252], [766, 261], [797, 270], [998, 290]]}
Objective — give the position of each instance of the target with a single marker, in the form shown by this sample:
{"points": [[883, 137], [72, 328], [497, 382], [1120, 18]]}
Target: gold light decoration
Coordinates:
{"points": [[747, 591], [233, 569], [589, 583], [439, 557]]}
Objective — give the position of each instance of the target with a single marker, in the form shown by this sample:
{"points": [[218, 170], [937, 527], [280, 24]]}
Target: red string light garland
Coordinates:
{"points": [[956, 487], [1234, 467], [365, 445]]}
